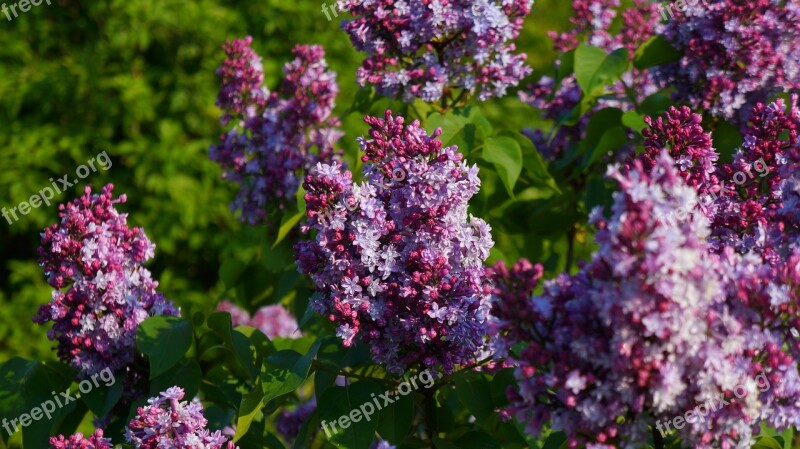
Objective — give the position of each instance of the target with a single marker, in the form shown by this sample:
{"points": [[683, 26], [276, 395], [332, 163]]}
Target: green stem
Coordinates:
{"points": [[349, 374]]}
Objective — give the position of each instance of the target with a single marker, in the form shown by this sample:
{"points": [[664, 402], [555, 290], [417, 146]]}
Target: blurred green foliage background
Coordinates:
{"points": [[135, 78]]}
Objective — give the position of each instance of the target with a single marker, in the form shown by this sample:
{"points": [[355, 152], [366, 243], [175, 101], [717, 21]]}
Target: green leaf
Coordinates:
{"points": [[251, 405], [633, 120], [164, 340], [656, 51], [477, 439], [187, 375], [395, 420], [767, 442], [594, 68], [506, 156], [555, 440], [353, 407], [287, 224], [613, 139], [284, 371], [476, 394]]}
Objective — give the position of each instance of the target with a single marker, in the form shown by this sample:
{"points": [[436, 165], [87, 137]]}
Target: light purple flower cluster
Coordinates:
{"points": [[273, 135], [736, 53], [383, 445], [555, 99], [168, 422], [273, 320], [397, 261], [426, 49], [102, 291], [649, 329], [77, 441]]}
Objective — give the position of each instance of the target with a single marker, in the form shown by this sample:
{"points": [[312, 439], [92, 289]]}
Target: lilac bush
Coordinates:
{"points": [[396, 259], [556, 99], [735, 54], [274, 137], [427, 49], [94, 261]]}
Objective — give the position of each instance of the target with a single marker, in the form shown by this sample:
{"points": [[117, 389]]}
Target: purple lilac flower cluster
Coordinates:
{"points": [[270, 144], [396, 260], [610, 350], [555, 99], [102, 291], [169, 422], [755, 214], [77, 441], [512, 310], [273, 320], [289, 422], [736, 53], [426, 49]]}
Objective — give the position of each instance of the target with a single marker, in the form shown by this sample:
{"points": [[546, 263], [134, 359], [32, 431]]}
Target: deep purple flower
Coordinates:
{"points": [[289, 422], [102, 291], [736, 53], [681, 134], [754, 211], [427, 49], [397, 261], [275, 137], [77, 441], [168, 422]]}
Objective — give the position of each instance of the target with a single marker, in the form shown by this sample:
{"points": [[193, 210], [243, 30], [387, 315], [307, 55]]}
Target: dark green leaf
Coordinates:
{"points": [[352, 407], [656, 51], [506, 156], [164, 340]]}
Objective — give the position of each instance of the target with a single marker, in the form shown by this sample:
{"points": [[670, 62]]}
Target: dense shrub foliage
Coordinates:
{"points": [[400, 224]]}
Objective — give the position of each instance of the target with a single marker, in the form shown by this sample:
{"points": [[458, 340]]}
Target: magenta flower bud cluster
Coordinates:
{"points": [[94, 260], [274, 137], [273, 320], [169, 422], [78, 441], [425, 49], [681, 134], [735, 54], [397, 261]]}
